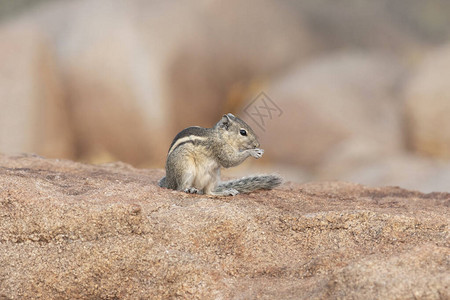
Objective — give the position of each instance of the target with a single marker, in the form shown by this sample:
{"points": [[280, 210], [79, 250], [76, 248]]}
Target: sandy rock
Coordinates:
{"points": [[33, 116], [331, 104], [69, 230], [402, 275], [428, 105]]}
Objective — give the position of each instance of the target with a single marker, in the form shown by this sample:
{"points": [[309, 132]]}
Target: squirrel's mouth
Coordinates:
{"points": [[247, 148]]}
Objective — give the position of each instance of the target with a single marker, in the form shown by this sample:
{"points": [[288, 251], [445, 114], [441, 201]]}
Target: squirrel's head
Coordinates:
{"points": [[236, 132]]}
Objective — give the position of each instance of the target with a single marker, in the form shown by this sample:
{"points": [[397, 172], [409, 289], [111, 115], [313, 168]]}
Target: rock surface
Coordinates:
{"points": [[69, 230]]}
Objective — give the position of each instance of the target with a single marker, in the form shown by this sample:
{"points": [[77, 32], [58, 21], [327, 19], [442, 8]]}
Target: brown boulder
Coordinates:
{"points": [[69, 230], [408, 171], [428, 105], [330, 105], [137, 72], [113, 79], [232, 46], [402, 276], [33, 116]]}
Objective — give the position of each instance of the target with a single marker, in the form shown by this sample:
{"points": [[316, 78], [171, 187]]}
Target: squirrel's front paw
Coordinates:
{"points": [[256, 153]]}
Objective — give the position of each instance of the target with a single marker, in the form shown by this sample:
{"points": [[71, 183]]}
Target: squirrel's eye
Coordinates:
{"points": [[243, 132]]}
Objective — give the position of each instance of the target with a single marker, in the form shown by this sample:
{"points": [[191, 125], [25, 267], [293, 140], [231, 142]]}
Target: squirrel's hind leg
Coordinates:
{"points": [[186, 181], [212, 188]]}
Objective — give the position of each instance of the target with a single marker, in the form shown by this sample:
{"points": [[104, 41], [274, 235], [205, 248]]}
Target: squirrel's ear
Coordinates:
{"points": [[224, 122]]}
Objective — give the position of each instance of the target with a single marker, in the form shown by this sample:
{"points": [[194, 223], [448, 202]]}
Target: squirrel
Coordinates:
{"points": [[196, 155]]}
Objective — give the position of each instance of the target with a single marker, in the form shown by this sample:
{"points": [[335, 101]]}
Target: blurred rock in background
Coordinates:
{"points": [[428, 105], [334, 100], [33, 113], [362, 85]]}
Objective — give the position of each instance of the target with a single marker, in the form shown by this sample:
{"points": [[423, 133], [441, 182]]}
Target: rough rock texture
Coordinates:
{"points": [[70, 231]]}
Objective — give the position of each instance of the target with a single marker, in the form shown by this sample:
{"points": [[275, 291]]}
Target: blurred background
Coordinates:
{"points": [[353, 90]]}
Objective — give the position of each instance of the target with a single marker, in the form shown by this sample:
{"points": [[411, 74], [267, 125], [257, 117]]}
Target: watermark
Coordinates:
{"points": [[262, 109]]}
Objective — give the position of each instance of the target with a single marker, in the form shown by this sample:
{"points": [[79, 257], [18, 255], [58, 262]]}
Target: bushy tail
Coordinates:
{"points": [[251, 183]]}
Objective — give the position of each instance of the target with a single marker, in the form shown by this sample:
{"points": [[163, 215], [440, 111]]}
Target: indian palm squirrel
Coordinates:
{"points": [[197, 154]]}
